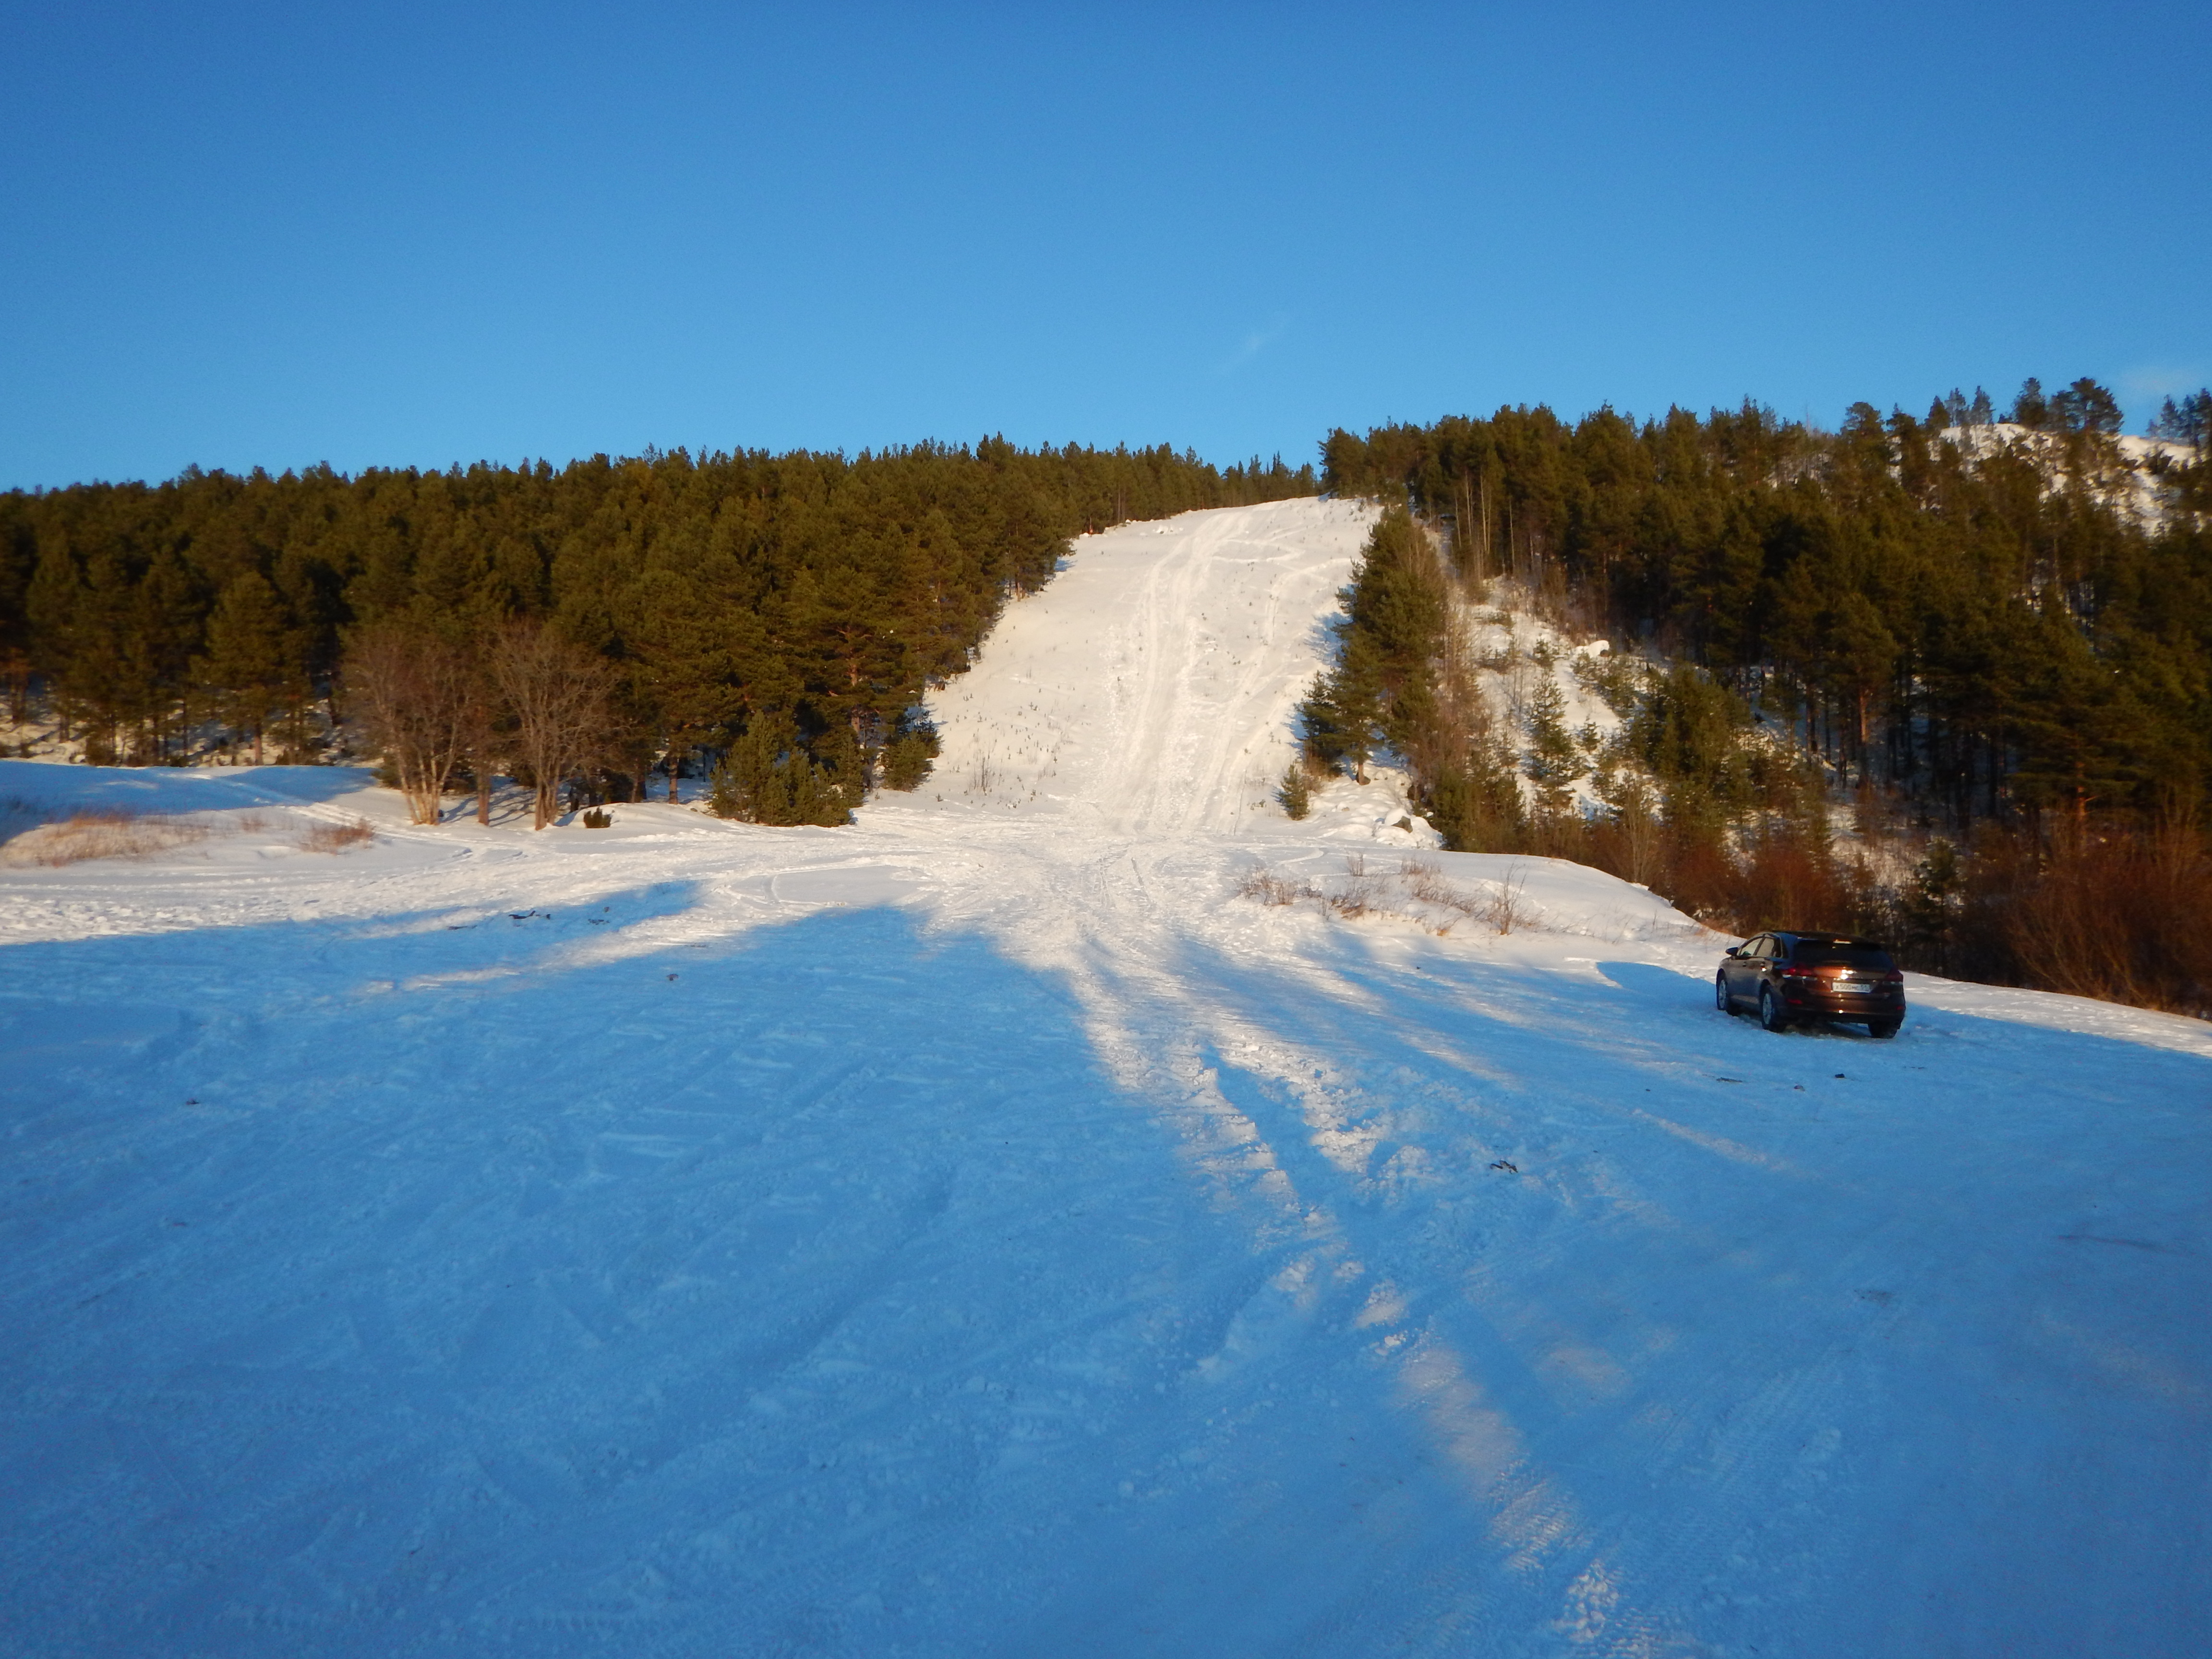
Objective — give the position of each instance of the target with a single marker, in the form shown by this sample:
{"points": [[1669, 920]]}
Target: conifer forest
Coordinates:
{"points": [[1985, 635], [1992, 636], [771, 620]]}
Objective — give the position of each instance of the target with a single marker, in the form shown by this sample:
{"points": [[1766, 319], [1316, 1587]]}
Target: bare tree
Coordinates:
{"points": [[559, 698], [414, 694]]}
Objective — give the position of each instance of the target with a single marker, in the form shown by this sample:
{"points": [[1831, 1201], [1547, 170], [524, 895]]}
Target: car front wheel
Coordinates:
{"points": [[1722, 999], [1770, 1012]]}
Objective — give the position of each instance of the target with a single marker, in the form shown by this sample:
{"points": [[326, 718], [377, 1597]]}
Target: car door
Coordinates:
{"points": [[1743, 969], [1771, 961], [1771, 953]]}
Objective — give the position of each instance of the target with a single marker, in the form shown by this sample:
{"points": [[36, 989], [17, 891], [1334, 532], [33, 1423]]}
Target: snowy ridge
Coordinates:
{"points": [[998, 1227]]}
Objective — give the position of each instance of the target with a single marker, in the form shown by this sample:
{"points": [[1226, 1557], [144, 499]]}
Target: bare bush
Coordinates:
{"points": [[1508, 906], [1365, 891], [1264, 885], [335, 837], [1425, 884], [1424, 881], [2125, 917], [106, 833], [1415, 891]]}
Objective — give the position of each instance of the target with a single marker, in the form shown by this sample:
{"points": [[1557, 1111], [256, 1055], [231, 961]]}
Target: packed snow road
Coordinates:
{"points": [[986, 1230]]}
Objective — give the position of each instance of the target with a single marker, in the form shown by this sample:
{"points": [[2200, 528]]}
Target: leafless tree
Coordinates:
{"points": [[414, 694], [560, 700]]}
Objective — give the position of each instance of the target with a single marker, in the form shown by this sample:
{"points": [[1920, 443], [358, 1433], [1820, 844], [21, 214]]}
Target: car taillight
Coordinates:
{"points": [[1800, 973], [1892, 978]]}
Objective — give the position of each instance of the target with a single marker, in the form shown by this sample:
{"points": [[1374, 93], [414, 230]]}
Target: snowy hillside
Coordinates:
{"points": [[1075, 1210], [2133, 481], [1150, 691]]}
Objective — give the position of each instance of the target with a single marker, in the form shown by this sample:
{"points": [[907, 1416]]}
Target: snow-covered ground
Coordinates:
{"points": [[986, 1230]]}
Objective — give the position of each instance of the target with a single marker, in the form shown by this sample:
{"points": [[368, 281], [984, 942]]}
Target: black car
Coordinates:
{"points": [[1789, 977]]}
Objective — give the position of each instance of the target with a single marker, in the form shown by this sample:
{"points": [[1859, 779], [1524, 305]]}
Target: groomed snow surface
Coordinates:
{"points": [[985, 1230]]}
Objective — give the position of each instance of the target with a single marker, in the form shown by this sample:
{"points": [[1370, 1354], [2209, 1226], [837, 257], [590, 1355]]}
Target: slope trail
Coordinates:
{"points": [[1149, 690]]}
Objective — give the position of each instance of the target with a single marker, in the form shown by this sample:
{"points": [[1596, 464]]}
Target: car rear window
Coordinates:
{"points": [[1822, 953]]}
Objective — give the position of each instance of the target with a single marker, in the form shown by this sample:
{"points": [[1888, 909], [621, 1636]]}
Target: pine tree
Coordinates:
{"points": [[908, 755], [1475, 805], [1342, 714], [2085, 406], [1932, 906], [2031, 409], [1553, 759], [2190, 423], [247, 666]]}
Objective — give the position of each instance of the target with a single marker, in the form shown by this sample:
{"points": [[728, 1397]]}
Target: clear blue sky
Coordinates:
{"points": [[390, 234]]}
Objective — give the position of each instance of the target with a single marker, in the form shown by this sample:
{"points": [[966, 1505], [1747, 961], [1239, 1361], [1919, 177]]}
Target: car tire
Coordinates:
{"points": [[1883, 1028], [1770, 1012], [1722, 999]]}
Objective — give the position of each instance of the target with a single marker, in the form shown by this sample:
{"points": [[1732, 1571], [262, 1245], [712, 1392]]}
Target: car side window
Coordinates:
{"points": [[1761, 948]]}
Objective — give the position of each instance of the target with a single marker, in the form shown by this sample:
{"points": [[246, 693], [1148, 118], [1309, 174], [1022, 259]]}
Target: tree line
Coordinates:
{"points": [[773, 618], [1991, 634]]}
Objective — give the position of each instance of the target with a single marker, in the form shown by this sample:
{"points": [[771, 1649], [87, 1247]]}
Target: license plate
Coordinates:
{"points": [[1854, 988]]}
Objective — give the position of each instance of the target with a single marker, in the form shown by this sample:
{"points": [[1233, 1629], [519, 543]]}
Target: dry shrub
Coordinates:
{"points": [[1502, 910], [1363, 893], [1415, 891], [2118, 912], [1785, 881], [1780, 879], [1426, 883], [335, 837], [106, 833], [1508, 906], [2123, 915], [1264, 885]]}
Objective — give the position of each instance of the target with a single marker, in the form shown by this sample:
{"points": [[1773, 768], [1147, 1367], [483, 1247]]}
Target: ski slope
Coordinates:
{"points": [[986, 1230], [1152, 691]]}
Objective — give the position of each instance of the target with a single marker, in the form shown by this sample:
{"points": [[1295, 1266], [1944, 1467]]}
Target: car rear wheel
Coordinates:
{"points": [[1722, 999], [1770, 1012], [1883, 1028]]}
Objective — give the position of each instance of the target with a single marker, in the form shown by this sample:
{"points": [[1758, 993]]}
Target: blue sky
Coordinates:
{"points": [[275, 236]]}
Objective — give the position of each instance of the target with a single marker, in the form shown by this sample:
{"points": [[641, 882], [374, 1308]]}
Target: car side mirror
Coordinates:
{"points": [[1735, 950]]}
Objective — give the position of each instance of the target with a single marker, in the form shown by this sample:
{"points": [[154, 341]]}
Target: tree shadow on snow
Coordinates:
{"points": [[1603, 1209], [431, 1284], [174, 789]]}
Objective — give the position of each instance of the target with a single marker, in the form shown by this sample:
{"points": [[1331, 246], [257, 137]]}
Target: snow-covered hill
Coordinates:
{"points": [[2130, 476], [1001, 1227]]}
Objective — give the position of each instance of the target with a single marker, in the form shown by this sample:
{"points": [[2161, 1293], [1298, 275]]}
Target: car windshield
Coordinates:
{"points": [[1841, 953]]}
